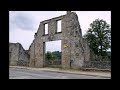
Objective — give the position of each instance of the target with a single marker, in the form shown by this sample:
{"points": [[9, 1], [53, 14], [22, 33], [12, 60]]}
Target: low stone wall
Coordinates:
{"points": [[53, 62], [13, 62], [22, 63], [97, 64], [18, 56]]}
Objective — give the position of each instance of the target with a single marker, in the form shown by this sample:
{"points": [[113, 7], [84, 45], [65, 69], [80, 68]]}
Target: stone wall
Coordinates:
{"points": [[23, 59], [74, 37], [31, 53], [13, 53], [97, 64], [74, 48], [17, 55], [87, 51], [53, 62]]}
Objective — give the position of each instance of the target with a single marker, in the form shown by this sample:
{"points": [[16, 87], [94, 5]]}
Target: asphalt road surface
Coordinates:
{"points": [[15, 73]]}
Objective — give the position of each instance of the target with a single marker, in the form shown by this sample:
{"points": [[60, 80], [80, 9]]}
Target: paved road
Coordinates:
{"points": [[15, 73]]}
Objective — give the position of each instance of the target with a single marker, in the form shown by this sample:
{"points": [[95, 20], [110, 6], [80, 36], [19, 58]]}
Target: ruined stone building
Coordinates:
{"points": [[17, 55], [75, 49]]}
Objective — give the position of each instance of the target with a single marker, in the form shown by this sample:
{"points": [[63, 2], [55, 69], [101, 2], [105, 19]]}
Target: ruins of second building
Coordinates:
{"points": [[17, 55]]}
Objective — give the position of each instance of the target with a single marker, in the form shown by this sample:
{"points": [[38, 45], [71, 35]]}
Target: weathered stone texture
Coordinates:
{"points": [[86, 50], [75, 50], [73, 47], [32, 56], [17, 55], [23, 59], [97, 64], [13, 53], [73, 33]]}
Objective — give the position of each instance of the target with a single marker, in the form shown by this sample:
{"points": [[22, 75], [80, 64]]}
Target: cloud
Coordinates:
{"points": [[24, 24], [23, 37], [21, 20], [53, 46], [87, 17]]}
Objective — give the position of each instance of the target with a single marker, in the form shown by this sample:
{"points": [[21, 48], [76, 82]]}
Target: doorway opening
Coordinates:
{"points": [[53, 54]]}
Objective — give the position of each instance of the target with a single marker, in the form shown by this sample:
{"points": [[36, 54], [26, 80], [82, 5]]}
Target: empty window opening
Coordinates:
{"points": [[46, 29], [59, 26]]}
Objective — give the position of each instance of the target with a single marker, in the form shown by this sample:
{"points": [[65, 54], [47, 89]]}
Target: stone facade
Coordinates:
{"points": [[17, 55], [75, 49]]}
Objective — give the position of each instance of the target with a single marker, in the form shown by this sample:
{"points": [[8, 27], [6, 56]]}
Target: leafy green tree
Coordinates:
{"points": [[53, 55], [99, 37], [48, 55], [57, 54]]}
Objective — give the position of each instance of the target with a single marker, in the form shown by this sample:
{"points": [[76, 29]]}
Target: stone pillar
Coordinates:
{"points": [[72, 49], [36, 48], [39, 54], [39, 47], [65, 43]]}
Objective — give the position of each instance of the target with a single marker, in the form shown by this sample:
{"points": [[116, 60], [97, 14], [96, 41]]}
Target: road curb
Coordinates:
{"points": [[78, 73], [88, 74]]}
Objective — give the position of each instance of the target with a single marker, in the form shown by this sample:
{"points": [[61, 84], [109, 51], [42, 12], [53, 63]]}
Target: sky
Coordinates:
{"points": [[24, 24]]}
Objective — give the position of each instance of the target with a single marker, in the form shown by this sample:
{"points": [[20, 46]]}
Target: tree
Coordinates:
{"points": [[48, 55], [57, 54], [99, 37]]}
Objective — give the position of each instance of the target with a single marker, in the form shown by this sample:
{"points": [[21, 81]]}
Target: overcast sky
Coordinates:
{"points": [[24, 24]]}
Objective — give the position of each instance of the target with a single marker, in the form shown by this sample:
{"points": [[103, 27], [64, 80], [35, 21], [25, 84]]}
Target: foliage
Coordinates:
{"points": [[48, 55], [99, 37], [53, 55], [57, 54]]}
